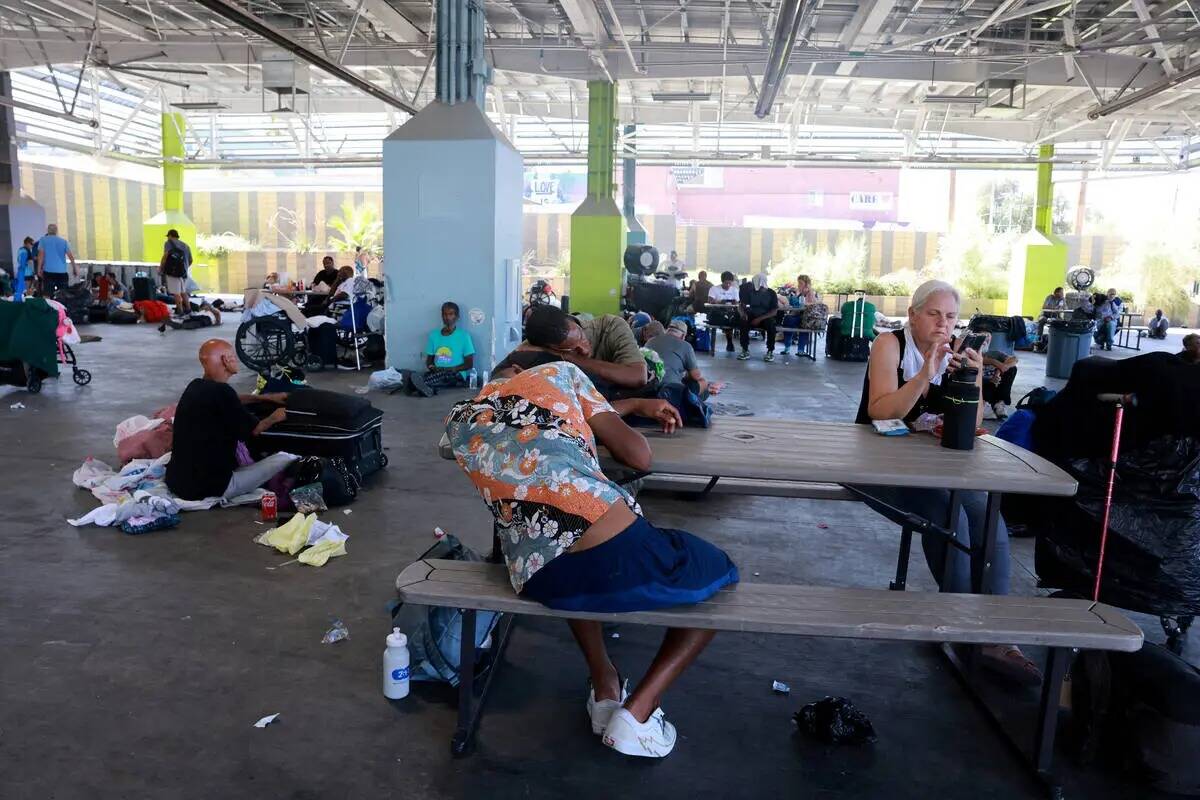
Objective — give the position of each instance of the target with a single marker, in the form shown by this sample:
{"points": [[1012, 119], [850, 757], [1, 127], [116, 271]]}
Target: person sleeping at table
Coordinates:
{"points": [[575, 540], [903, 381]]}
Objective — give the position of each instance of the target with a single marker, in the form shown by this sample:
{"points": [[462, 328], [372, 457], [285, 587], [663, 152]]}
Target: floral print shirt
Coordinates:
{"points": [[526, 445]]}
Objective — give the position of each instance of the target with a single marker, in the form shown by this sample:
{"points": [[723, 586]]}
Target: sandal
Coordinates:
{"points": [[1011, 664]]}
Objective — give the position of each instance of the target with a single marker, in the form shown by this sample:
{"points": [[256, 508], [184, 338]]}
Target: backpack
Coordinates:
{"points": [[1140, 712], [814, 317], [435, 633], [175, 265]]}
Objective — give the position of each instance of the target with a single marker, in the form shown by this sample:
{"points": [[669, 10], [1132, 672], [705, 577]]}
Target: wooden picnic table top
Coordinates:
{"points": [[835, 452]]}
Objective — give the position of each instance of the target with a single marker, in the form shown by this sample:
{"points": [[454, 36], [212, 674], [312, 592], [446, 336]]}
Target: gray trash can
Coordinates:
{"points": [[1069, 341]]}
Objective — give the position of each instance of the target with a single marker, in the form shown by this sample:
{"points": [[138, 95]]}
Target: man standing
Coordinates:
{"points": [[53, 253], [210, 420], [176, 261], [758, 305], [23, 279]]}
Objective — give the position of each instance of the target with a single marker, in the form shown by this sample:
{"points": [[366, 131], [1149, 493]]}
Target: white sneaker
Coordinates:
{"points": [[602, 710], [1001, 411], [988, 412], [654, 738]]}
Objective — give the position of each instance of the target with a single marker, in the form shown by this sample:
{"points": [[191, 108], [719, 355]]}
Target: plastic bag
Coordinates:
{"points": [[336, 633], [308, 499], [386, 379], [835, 720]]}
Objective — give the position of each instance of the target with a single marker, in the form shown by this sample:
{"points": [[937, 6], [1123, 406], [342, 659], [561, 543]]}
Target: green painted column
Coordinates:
{"points": [[1043, 214], [154, 230], [1040, 260], [597, 226]]}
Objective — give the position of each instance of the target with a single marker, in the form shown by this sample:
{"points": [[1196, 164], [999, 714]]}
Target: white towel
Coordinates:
{"points": [[914, 360]]}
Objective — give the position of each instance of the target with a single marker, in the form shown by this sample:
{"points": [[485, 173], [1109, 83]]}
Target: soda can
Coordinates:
{"points": [[269, 507]]}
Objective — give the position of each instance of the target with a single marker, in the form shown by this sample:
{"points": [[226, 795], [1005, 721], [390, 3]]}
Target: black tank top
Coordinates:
{"points": [[930, 402]]}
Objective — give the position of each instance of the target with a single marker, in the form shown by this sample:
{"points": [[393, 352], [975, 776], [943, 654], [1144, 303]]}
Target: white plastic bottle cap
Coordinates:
{"points": [[397, 639]]}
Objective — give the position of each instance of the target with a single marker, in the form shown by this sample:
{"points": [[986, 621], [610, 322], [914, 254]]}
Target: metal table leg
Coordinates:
{"points": [[902, 560], [470, 701], [952, 527], [1039, 761], [981, 577]]}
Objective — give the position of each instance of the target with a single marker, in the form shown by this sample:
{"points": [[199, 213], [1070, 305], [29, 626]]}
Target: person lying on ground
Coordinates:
{"points": [[210, 420], [574, 540], [604, 348], [207, 316], [904, 380], [449, 357]]}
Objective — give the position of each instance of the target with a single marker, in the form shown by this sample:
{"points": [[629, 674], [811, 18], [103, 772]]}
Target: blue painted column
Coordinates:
{"points": [[452, 208]]}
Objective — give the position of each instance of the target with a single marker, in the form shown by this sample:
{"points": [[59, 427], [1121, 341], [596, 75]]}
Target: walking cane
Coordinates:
{"points": [[1120, 400]]}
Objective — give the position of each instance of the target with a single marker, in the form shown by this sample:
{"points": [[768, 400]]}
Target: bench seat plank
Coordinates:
{"points": [[813, 611]]}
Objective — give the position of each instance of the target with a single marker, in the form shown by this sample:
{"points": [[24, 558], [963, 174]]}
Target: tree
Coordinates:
{"points": [[357, 226], [1005, 208]]}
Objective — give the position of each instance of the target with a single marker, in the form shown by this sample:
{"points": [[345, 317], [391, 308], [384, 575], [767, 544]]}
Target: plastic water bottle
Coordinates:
{"points": [[473, 379], [395, 666]]}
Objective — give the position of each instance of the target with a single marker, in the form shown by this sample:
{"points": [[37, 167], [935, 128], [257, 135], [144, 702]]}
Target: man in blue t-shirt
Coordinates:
{"points": [[449, 357], [53, 253]]}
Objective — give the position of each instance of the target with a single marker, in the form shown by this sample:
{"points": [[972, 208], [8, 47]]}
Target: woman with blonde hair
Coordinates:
{"points": [[903, 381]]}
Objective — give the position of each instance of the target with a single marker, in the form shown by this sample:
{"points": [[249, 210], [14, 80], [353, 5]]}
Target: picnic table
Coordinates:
{"points": [[829, 460], [1126, 326]]}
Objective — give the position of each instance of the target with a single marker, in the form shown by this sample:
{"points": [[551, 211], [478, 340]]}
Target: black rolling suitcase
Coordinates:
{"points": [[833, 337], [330, 424]]}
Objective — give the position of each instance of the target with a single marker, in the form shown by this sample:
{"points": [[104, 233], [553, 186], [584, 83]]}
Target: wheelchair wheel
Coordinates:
{"points": [[81, 377], [265, 342]]}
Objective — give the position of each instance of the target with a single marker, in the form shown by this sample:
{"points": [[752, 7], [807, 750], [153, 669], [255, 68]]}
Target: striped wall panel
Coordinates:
{"points": [[102, 217]]}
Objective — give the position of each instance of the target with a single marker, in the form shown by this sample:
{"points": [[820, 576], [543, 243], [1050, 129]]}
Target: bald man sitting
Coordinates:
{"points": [[210, 420]]}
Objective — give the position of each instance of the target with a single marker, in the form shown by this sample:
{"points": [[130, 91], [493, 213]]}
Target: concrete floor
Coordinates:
{"points": [[136, 666]]}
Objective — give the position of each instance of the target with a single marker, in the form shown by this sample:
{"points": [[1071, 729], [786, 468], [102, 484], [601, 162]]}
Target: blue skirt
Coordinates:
{"points": [[639, 569]]}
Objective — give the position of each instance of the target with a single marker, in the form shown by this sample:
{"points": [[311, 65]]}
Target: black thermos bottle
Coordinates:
{"points": [[961, 411]]}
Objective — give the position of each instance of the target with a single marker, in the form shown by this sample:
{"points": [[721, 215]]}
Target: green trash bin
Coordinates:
{"points": [[1069, 341]]}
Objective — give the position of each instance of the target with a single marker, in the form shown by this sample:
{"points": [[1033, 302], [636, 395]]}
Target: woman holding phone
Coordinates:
{"points": [[903, 381]]}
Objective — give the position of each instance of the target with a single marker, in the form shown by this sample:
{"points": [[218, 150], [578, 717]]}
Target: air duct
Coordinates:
{"points": [[787, 26], [240, 16]]}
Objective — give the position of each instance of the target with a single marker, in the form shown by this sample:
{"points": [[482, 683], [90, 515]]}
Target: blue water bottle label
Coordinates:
{"points": [[400, 674]]}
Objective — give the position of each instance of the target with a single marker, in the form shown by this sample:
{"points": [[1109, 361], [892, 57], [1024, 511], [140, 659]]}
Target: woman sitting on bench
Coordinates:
{"points": [[575, 540], [903, 381]]}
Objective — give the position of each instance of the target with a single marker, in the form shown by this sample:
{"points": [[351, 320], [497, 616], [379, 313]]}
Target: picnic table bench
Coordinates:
{"points": [[1061, 625]]}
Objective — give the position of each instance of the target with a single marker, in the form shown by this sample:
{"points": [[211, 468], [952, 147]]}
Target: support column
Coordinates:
{"points": [[20, 216], [452, 206], [1040, 258], [637, 233], [154, 230], [597, 227]]}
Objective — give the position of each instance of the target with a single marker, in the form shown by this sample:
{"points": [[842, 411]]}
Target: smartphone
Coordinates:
{"points": [[974, 341]]}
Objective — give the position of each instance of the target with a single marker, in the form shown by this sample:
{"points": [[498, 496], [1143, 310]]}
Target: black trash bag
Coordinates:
{"points": [[835, 720], [1152, 562]]}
